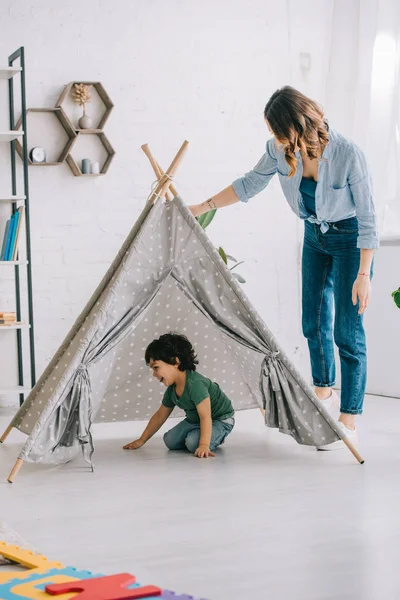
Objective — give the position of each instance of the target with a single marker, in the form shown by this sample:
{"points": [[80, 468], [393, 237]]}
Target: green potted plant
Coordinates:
{"points": [[204, 221], [396, 297]]}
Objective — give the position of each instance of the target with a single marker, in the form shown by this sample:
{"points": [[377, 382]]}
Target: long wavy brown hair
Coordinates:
{"points": [[297, 122]]}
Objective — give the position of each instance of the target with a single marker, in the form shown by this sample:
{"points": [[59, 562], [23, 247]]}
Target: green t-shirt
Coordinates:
{"points": [[197, 389]]}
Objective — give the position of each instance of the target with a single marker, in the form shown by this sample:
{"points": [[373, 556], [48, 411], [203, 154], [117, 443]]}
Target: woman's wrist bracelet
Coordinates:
{"points": [[365, 274], [211, 204]]}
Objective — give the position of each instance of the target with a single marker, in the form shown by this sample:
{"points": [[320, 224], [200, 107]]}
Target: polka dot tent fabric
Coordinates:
{"points": [[166, 277]]}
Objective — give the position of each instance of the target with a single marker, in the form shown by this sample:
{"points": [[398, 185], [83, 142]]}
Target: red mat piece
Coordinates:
{"points": [[112, 587]]}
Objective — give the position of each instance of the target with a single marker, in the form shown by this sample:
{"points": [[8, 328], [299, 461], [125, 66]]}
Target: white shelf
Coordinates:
{"points": [[13, 262], [9, 136], [10, 199], [17, 389], [15, 326], [8, 72]]}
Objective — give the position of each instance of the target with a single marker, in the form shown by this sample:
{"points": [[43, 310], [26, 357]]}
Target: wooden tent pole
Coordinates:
{"points": [[15, 470], [353, 450], [6, 434], [156, 167], [171, 187], [350, 446], [165, 181], [157, 170]]}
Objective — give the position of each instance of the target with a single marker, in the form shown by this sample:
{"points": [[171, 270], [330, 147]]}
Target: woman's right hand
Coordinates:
{"points": [[134, 445]]}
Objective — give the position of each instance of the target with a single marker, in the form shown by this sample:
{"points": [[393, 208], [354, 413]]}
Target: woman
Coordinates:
{"points": [[326, 181]]}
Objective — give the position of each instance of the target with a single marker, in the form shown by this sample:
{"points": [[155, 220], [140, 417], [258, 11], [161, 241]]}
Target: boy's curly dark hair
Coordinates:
{"points": [[169, 347]]}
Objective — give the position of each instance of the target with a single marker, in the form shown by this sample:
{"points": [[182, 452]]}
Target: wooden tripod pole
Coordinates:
{"points": [[157, 169], [165, 181], [350, 446], [353, 450], [5, 434], [15, 470]]}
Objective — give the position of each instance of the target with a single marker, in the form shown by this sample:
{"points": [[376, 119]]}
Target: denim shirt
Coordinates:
{"points": [[344, 187]]}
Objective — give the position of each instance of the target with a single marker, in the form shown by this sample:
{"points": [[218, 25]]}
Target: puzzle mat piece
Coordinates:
{"points": [[39, 567], [109, 587], [6, 576], [26, 558], [127, 587], [119, 583], [41, 587], [25, 586], [11, 537], [31, 585]]}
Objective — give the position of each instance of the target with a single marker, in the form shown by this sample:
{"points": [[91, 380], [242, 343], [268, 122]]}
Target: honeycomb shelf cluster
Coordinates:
{"points": [[73, 132]]}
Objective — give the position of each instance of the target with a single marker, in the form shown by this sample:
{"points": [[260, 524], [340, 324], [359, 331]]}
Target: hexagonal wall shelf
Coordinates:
{"points": [[66, 125], [74, 166], [66, 99]]}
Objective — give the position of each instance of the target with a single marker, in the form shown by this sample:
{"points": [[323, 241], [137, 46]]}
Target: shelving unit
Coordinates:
{"points": [[8, 72], [12, 199], [10, 390], [66, 125], [73, 165], [15, 326], [98, 131], [105, 98], [16, 199], [9, 136]]}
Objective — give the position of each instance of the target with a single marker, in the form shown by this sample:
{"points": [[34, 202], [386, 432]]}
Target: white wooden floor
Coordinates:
{"points": [[266, 519]]}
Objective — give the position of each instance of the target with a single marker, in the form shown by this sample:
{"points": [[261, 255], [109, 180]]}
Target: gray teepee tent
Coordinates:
{"points": [[166, 277]]}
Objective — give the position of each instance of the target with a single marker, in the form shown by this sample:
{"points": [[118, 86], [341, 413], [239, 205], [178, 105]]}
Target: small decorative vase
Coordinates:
{"points": [[85, 122], [86, 166]]}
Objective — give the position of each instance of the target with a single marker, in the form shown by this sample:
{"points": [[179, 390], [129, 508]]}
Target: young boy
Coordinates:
{"points": [[209, 412]]}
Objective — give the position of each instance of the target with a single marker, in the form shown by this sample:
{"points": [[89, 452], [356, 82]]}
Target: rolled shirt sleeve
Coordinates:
{"points": [[258, 178], [359, 180]]}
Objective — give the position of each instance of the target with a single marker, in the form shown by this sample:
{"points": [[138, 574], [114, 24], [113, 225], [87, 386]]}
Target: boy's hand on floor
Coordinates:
{"points": [[134, 445], [203, 452]]}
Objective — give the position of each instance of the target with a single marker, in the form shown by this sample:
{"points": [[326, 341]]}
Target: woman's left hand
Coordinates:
{"points": [[361, 292]]}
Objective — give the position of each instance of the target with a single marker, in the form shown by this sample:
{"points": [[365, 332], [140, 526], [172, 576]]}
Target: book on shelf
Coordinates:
{"points": [[5, 240], [12, 234], [21, 212], [9, 238]]}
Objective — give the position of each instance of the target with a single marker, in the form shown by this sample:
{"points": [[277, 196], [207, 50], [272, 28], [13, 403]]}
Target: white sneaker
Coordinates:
{"points": [[332, 405], [351, 435]]}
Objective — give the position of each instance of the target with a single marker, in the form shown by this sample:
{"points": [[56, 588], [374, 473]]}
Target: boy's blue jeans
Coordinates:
{"points": [[186, 436], [330, 266]]}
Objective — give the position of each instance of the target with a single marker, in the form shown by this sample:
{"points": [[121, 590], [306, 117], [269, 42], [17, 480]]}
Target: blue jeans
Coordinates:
{"points": [[186, 436], [330, 265]]}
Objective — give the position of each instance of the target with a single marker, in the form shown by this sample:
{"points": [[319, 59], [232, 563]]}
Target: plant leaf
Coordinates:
{"points": [[205, 220], [222, 254], [396, 297], [239, 278], [229, 257], [237, 264]]}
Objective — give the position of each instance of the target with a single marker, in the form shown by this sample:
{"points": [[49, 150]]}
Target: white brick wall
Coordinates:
{"points": [[178, 69]]}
